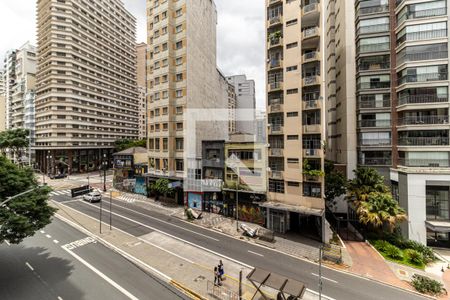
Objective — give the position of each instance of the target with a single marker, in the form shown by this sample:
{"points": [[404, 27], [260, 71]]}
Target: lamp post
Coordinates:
{"points": [[49, 157], [18, 195], [105, 164]]}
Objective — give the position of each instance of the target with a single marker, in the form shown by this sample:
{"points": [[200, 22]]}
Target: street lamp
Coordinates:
{"points": [[18, 195], [49, 157], [105, 164]]}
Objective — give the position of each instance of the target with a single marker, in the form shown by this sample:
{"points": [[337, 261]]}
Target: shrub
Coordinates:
{"points": [[427, 252], [394, 252], [381, 245], [427, 285], [414, 257]]}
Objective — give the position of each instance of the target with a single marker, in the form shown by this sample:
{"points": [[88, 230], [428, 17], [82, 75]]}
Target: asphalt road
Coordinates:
{"points": [[50, 266], [139, 221]]}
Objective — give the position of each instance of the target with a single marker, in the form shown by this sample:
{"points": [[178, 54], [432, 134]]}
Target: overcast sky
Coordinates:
{"points": [[240, 34]]}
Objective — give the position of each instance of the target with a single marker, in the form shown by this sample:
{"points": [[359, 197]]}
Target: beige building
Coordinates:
{"points": [[141, 67], [2, 104], [296, 131], [86, 83], [185, 86]]}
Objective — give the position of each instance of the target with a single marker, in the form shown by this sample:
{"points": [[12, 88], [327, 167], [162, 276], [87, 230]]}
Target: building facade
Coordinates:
{"points": [[185, 88], [403, 120], [2, 103], [296, 131], [86, 91], [141, 68], [244, 89]]}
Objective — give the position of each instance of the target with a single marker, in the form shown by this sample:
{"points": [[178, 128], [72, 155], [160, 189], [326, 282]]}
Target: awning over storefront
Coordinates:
{"points": [[438, 226], [287, 287], [293, 208]]}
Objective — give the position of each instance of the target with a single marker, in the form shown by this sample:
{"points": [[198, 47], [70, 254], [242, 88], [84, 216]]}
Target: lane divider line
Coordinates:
{"points": [[249, 251], [29, 266], [317, 275], [48, 236]]}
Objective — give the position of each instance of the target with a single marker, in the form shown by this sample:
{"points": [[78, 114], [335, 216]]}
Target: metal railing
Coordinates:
{"points": [[423, 141], [275, 63], [374, 123], [274, 20], [309, 8], [374, 103], [311, 104], [372, 10], [373, 47], [418, 56], [276, 128], [276, 175], [423, 77], [375, 161], [372, 66], [275, 41], [310, 32], [311, 96], [310, 55], [275, 85], [276, 151], [420, 120], [221, 292], [373, 85], [311, 80], [372, 29], [375, 142], [275, 108], [435, 163], [419, 99], [422, 35], [426, 13]]}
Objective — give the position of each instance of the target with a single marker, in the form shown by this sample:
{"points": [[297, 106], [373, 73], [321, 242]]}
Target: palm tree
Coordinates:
{"points": [[366, 181], [380, 210]]}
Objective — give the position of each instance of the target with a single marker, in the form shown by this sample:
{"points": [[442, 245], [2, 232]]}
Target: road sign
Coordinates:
{"points": [[81, 190]]}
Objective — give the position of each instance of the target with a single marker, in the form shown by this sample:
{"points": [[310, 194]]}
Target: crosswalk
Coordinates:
{"points": [[131, 198], [60, 193]]}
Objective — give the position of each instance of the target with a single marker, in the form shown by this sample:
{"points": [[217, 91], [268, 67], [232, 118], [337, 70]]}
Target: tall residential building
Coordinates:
{"points": [[86, 91], [403, 116], [2, 103], [245, 103], [340, 98], [9, 79], [296, 130], [184, 84], [141, 67]]}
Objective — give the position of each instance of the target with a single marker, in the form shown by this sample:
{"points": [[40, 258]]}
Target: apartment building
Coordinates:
{"points": [[141, 54], [86, 91], [2, 103], [245, 103], [403, 116], [9, 81], [296, 131], [186, 89], [340, 97]]}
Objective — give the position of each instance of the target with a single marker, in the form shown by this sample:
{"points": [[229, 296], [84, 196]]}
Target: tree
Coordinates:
{"points": [[335, 183], [121, 145], [15, 140], [380, 210], [161, 187], [22, 216], [366, 181]]}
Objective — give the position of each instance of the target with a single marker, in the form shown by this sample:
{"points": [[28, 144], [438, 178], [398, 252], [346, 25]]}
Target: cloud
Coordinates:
{"points": [[240, 34]]}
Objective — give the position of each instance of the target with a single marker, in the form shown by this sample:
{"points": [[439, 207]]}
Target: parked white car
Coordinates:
{"points": [[94, 196]]}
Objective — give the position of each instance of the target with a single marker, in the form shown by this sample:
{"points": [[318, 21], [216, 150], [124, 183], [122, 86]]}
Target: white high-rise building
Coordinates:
{"points": [[245, 103]]}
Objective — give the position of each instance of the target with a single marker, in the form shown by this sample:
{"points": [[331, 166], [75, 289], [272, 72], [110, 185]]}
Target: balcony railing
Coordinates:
{"points": [[423, 141], [372, 10], [309, 32], [312, 152], [310, 80], [421, 120], [373, 66], [275, 85], [311, 104], [375, 142], [275, 20], [423, 77], [310, 56], [275, 42], [375, 161], [277, 175], [435, 163], [275, 63], [276, 152], [311, 128], [419, 56], [275, 129], [422, 35], [373, 47], [374, 85], [373, 29], [374, 123], [310, 8], [374, 103], [426, 13], [273, 108], [419, 99]]}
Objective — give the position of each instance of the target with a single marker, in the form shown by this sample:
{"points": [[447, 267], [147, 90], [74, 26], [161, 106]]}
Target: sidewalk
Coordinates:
{"points": [[184, 265]]}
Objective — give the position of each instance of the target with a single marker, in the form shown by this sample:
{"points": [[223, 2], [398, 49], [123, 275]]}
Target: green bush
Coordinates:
{"points": [[381, 245], [427, 285], [394, 252], [414, 257], [427, 252]]}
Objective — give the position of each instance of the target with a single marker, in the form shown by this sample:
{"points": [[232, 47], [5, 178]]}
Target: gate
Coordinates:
{"points": [[219, 292]]}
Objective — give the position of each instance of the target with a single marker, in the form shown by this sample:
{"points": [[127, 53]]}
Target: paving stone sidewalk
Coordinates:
{"points": [[191, 272]]}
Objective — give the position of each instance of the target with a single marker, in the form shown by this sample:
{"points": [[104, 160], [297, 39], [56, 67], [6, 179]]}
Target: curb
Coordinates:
{"points": [[187, 291]]}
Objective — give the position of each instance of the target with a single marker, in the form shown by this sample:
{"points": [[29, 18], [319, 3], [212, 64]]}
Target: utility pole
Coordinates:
{"points": [[104, 172], [110, 213], [320, 271], [100, 218], [240, 284], [237, 200]]}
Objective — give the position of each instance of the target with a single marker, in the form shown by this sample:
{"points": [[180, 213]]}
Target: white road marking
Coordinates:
{"points": [[106, 278], [48, 236], [170, 252], [29, 266], [42, 231], [80, 243], [7, 243], [168, 223], [55, 241], [255, 253], [59, 298], [317, 275]]}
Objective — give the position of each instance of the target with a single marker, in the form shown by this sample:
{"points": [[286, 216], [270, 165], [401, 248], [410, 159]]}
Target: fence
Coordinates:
{"points": [[219, 292]]}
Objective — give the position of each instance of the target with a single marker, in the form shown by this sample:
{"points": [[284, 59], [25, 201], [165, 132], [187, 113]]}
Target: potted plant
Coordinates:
{"points": [[310, 173]]}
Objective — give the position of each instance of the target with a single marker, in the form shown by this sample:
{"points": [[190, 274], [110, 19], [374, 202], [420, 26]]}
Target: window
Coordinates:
{"points": [[179, 110], [292, 137], [179, 165], [165, 94], [179, 77], [373, 44], [179, 28], [165, 144], [292, 114], [178, 13], [164, 47], [291, 68], [179, 45], [276, 186], [164, 30], [293, 184], [291, 22], [165, 111], [437, 207], [179, 61], [291, 45], [292, 91], [179, 93], [179, 126], [179, 144], [292, 160]]}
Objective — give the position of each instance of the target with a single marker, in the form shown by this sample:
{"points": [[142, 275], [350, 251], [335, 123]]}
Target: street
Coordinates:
{"points": [[138, 221], [60, 263]]}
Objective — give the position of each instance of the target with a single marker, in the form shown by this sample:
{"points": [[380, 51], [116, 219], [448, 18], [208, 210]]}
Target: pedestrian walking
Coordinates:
{"points": [[216, 276], [221, 270]]}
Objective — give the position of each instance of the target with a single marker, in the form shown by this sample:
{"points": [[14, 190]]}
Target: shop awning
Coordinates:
{"points": [[293, 208], [287, 287], [438, 226]]}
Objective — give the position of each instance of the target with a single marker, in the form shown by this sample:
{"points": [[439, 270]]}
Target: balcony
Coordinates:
{"points": [[272, 2], [422, 78], [310, 32], [374, 104], [278, 175], [277, 20], [422, 35], [275, 129], [275, 64], [312, 128], [374, 142], [277, 152], [275, 86], [375, 161], [311, 56], [310, 8], [372, 10], [275, 42], [403, 57], [372, 29], [423, 120], [312, 153], [423, 141], [311, 104], [374, 85], [434, 163], [374, 123], [426, 13], [369, 48], [311, 80], [422, 98], [275, 107]]}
